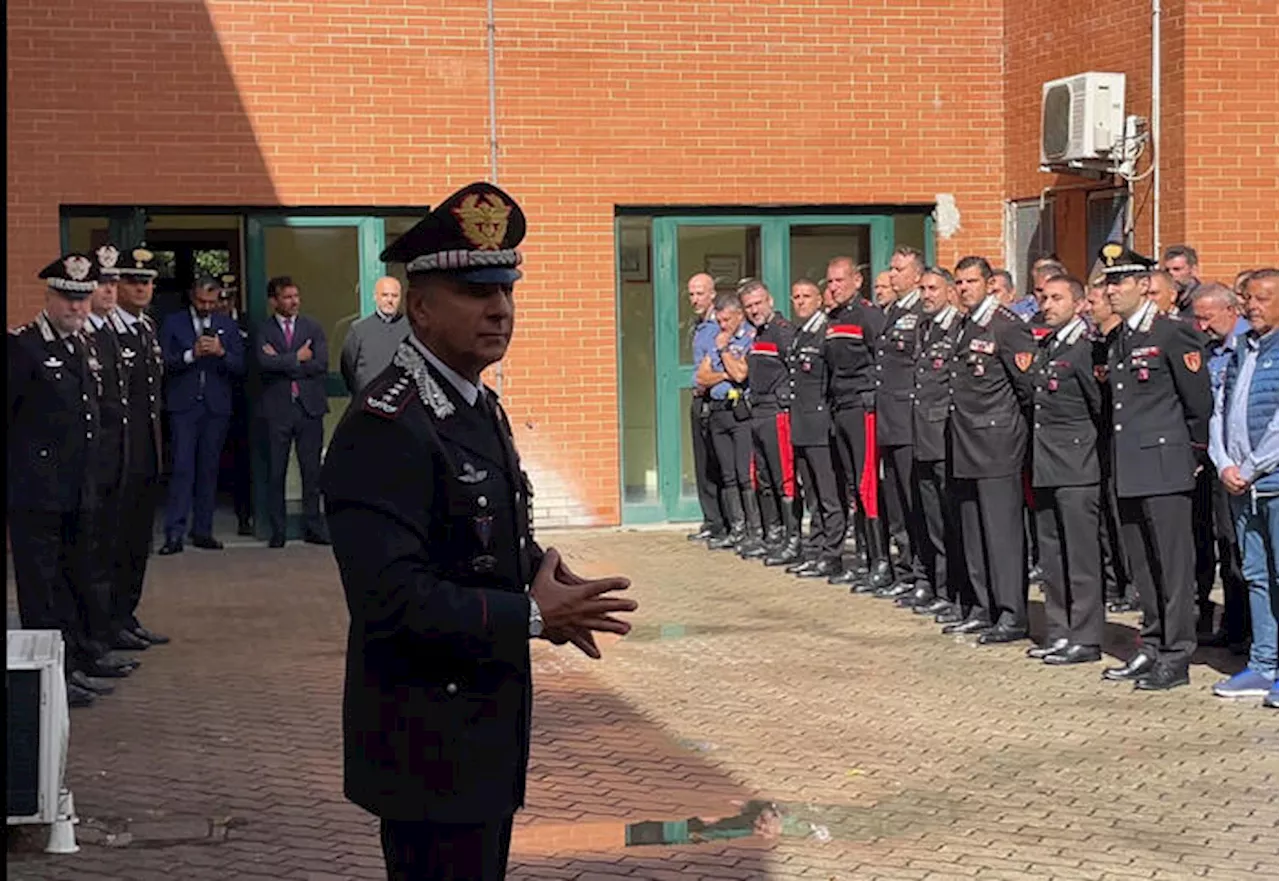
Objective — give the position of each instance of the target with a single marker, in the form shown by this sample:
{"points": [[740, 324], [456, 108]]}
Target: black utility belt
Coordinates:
{"points": [[716, 404]]}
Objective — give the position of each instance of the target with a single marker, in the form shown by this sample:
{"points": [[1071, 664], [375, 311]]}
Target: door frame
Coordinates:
{"points": [[671, 377]]}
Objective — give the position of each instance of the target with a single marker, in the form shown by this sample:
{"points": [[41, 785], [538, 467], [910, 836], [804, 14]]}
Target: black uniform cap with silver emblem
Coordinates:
{"points": [[471, 236], [1120, 262], [73, 275], [137, 263], [108, 256]]}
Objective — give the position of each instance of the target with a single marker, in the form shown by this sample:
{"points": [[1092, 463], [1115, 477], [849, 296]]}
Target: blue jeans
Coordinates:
{"points": [[1256, 530]]}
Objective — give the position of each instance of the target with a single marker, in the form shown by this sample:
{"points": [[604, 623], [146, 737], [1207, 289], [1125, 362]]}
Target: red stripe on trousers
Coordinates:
{"points": [[785, 452], [869, 486]]}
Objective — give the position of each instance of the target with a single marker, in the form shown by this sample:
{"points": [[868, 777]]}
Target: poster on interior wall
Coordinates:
{"points": [[633, 254], [726, 269]]}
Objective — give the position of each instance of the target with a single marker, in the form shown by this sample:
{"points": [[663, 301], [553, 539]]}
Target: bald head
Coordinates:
{"points": [[702, 293], [386, 295]]}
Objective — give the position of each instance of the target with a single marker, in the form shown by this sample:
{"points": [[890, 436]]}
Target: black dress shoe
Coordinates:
{"points": [[207, 542], [93, 686], [244, 528], [702, 534], [1040, 651], [881, 575], [1138, 666], [149, 635], [893, 591], [934, 607], [753, 549], [846, 578], [101, 668], [78, 697], [822, 569], [127, 663], [1163, 677], [1002, 633], [921, 596], [277, 541], [1074, 654], [784, 556], [795, 567], [953, 615], [969, 625], [170, 547], [316, 538], [724, 542], [129, 641], [1035, 575], [1120, 607]]}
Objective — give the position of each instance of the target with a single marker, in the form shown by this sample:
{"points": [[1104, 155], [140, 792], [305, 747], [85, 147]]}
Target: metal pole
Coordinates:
{"points": [[491, 27], [1155, 128]]}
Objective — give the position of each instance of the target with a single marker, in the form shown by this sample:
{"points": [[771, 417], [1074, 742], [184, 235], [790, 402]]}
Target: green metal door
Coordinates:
{"points": [[777, 249]]}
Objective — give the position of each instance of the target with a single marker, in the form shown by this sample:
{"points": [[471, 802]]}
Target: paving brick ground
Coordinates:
{"points": [[912, 755]]}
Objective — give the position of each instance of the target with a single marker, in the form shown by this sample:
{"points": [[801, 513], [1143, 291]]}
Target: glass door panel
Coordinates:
{"points": [[812, 247]]}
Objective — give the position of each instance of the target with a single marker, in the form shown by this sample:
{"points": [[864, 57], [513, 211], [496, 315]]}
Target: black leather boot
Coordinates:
{"points": [[752, 544], [732, 503]]}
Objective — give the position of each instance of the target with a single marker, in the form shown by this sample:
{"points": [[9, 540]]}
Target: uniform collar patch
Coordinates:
{"points": [[409, 360]]}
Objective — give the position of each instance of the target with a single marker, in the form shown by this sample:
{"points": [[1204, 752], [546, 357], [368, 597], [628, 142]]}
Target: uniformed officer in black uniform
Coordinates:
{"points": [[991, 391], [853, 327], [930, 407], [895, 354], [1161, 405], [144, 376], [430, 511], [1065, 477], [53, 441], [769, 393], [823, 553]]}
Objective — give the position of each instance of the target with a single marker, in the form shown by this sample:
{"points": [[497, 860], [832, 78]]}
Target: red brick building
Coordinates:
{"points": [[645, 141]]}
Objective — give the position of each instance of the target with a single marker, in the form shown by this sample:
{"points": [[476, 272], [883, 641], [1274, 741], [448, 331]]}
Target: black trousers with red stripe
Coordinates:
{"points": [[849, 427], [770, 469]]}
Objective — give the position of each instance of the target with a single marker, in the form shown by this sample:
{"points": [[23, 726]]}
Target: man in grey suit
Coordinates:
{"points": [[372, 341], [293, 359]]}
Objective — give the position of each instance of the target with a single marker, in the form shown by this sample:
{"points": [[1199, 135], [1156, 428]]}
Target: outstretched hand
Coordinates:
{"points": [[574, 608]]}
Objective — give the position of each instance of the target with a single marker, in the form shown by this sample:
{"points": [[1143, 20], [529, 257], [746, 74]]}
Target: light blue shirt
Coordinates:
{"points": [[1229, 427], [704, 344], [739, 345]]}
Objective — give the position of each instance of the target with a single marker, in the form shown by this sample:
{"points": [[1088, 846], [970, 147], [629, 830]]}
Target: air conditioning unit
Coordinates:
{"points": [[38, 724], [1082, 119]]}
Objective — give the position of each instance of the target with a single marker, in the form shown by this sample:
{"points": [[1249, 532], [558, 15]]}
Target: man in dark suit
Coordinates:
{"points": [[293, 358], [203, 356], [1065, 476], [991, 391], [430, 514], [1161, 406]]}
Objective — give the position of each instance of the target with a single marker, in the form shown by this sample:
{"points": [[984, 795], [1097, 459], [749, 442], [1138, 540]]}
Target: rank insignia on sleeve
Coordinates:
{"points": [[1023, 360], [1192, 360], [389, 401]]}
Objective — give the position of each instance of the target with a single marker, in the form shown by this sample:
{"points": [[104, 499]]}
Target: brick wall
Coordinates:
{"points": [[314, 103]]}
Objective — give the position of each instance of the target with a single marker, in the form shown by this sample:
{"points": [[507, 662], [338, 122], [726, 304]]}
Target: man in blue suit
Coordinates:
{"points": [[203, 353], [293, 357]]}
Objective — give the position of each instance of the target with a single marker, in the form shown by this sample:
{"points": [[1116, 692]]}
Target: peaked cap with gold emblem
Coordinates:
{"points": [[1118, 261], [472, 235], [137, 263], [73, 275]]}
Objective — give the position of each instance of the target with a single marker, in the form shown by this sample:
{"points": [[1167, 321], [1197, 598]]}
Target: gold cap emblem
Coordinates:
{"points": [[77, 267], [484, 223], [142, 255], [1112, 250]]}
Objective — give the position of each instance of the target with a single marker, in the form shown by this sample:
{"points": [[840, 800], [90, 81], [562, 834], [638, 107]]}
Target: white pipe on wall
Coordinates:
{"points": [[491, 28], [1155, 128]]}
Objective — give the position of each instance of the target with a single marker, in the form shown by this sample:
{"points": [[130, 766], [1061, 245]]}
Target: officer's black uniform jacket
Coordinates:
{"points": [[53, 422], [113, 450], [807, 365], [1160, 404], [991, 390], [767, 382], [1067, 410], [931, 401], [895, 354], [143, 364], [852, 332], [429, 513]]}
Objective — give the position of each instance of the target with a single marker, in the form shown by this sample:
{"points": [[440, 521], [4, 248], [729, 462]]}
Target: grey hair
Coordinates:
{"points": [[1220, 293], [727, 301], [942, 274]]}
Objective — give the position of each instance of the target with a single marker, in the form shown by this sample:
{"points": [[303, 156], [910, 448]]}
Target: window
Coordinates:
{"points": [[1106, 215], [1029, 234]]}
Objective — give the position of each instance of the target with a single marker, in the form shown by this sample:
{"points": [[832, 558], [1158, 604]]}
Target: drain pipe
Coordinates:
{"points": [[1155, 128], [491, 28]]}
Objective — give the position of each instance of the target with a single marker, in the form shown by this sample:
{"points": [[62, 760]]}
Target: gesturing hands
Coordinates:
{"points": [[574, 608], [208, 346]]}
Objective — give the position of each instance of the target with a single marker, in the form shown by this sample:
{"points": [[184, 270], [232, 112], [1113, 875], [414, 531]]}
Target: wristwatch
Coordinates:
{"points": [[535, 619]]}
